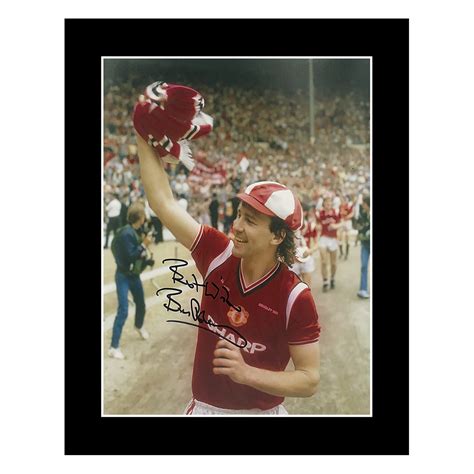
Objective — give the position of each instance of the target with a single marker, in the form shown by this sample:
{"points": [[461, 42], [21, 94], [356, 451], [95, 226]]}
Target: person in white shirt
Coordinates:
{"points": [[157, 225], [112, 211], [244, 164], [182, 201]]}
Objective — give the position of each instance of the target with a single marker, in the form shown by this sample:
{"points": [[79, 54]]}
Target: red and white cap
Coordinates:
{"points": [[274, 199]]}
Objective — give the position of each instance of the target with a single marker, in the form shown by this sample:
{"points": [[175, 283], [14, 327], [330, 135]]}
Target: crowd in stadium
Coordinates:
{"points": [[258, 135]]}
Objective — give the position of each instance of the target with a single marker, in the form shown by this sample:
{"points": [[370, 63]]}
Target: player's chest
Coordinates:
{"points": [[328, 220], [255, 313]]}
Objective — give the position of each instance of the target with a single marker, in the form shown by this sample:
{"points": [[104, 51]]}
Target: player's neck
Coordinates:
{"points": [[254, 269]]}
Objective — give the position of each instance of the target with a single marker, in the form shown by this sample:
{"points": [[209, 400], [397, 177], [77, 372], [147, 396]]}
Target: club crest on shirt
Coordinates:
{"points": [[238, 318]]}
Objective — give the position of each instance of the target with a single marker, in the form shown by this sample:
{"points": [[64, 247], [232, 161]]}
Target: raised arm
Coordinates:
{"points": [[160, 197]]}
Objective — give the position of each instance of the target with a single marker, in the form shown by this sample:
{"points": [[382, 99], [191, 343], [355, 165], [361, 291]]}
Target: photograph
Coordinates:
{"points": [[236, 236]]}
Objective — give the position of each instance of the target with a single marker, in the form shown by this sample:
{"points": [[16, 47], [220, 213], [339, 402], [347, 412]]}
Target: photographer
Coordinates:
{"points": [[130, 253]]}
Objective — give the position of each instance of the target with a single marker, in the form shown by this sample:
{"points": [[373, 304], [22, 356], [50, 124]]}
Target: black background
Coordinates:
{"points": [[86, 432]]}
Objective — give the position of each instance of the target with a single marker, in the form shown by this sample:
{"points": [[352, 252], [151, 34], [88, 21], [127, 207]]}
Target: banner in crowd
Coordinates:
{"points": [[204, 170]]}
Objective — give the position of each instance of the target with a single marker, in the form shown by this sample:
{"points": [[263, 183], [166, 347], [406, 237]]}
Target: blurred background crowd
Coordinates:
{"points": [[261, 132]]}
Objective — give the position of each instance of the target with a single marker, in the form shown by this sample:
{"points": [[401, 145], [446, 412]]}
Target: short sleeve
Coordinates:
{"points": [[303, 324], [208, 245]]}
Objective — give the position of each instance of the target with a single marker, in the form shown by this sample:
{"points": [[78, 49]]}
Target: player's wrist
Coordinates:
{"points": [[249, 375]]}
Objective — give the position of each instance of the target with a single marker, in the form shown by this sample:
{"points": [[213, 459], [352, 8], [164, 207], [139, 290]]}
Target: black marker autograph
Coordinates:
{"points": [[197, 315], [178, 277]]}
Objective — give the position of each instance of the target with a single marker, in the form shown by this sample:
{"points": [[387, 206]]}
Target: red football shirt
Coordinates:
{"points": [[326, 218], [309, 231], [263, 318]]}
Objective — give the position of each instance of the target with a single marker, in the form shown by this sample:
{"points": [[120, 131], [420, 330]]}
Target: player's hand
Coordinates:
{"points": [[228, 361], [146, 241]]}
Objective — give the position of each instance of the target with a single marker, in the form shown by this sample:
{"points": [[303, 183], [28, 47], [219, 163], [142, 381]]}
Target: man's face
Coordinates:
{"points": [[252, 236], [327, 204]]}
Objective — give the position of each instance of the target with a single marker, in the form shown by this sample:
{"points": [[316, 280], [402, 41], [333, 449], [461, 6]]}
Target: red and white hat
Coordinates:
{"points": [[274, 199]]}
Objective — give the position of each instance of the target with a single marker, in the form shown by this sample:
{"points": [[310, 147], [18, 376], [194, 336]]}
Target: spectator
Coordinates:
{"points": [[214, 210], [363, 225], [228, 216], [125, 202], [113, 218], [182, 201], [157, 225], [203, 215], [249, 122], [346, 210]]}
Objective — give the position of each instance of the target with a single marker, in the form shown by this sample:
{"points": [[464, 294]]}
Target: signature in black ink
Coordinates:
{"points": [[178, 277], [196, 314]]}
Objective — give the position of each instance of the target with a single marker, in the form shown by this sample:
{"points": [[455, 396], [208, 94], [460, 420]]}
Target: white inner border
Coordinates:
{"points": [[102, 223]]}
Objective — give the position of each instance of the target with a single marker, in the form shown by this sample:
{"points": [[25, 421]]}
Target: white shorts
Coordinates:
{"points": [[328, 243], [306, 267], [195, 407]]}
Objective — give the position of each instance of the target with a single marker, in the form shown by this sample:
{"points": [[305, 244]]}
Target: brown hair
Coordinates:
{"points": [[135, 212], [286, 251]]}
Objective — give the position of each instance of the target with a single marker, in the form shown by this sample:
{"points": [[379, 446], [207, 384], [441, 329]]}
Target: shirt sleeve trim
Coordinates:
{"points": [[303, 342], [295, 292], [197, 239]]}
